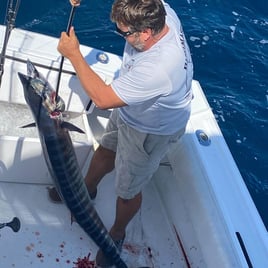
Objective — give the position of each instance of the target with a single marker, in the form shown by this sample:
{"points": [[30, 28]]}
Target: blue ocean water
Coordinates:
{"points": [[229, 44]]}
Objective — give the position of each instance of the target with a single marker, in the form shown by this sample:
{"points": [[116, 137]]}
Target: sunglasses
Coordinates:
{"points": [[122, 33]]}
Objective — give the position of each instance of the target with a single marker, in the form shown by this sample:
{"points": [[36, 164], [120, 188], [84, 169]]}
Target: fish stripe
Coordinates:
{"points": [[66, 172]]}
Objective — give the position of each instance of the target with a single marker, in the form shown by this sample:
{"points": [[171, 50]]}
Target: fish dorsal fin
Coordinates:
{"points": [[71, 127], [29, 125]]}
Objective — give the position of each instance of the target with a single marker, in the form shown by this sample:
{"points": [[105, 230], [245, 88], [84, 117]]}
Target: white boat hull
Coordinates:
{"points": [[196, 212]]}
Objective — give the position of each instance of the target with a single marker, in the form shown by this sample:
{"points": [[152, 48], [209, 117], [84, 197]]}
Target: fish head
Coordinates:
{"points": [[33, 99], [36, 87], [34, 73]]}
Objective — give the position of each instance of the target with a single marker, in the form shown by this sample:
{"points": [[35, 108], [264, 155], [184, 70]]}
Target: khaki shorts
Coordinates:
{"points": [[138, 154]]}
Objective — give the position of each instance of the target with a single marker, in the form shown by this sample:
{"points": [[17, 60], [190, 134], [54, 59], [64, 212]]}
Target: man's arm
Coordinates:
{"points": [[101, 94]]}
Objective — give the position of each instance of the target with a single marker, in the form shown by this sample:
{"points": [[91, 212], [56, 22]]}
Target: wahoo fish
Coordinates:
{"points": [[47, 110]]}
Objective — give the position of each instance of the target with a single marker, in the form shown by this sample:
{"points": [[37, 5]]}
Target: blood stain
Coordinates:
{"points": [[84, 263], [39, 255], [28, 248], [132, 249]]}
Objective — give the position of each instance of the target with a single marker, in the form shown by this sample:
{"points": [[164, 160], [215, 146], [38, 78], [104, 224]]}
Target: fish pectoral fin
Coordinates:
{"points": [[29, 125], [71, 127]]}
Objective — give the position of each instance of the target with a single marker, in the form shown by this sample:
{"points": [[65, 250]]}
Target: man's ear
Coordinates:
{"points": [[146, 34]]}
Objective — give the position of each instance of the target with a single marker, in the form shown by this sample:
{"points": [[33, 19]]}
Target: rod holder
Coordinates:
{"points": [[14, 224]]}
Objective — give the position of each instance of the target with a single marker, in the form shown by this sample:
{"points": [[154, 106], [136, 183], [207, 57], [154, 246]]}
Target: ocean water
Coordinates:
{"points": [[229, 45]]}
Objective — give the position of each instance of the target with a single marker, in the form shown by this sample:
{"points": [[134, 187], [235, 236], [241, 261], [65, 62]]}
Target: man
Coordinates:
{"points": [[151, 100]]}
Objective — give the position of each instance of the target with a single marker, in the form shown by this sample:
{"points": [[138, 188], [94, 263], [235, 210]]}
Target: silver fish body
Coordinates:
{"points": [[61, 159]]}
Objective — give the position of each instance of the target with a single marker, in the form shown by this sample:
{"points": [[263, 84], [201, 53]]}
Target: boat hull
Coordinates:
{"points": [[196, 212]]}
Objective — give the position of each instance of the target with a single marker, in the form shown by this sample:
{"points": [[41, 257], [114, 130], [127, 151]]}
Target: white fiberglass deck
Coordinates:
{"points": [[197, 200], [48, 239]]}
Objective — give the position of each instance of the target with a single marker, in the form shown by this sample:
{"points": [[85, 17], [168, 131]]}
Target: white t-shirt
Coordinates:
{"points": [[156, 84]]}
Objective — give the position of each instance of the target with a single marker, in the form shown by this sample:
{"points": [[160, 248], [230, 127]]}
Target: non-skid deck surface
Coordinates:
{"points": [[48, 239], [14, 116]]}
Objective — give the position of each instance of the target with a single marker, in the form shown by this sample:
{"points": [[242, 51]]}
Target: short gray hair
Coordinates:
{"points": [[139, 15]]}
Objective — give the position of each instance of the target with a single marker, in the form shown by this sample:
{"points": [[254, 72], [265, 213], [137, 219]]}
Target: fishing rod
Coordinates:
{"points": [[71, 17], [62, 58], [11, 14]]}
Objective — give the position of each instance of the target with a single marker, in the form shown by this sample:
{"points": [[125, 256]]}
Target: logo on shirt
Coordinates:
{"points": [[182, 39], [129, 64]]}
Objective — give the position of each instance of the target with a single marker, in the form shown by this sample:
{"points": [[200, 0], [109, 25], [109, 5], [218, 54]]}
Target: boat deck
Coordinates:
{"points": [[196, 212], [14, 116], [48, 238]]}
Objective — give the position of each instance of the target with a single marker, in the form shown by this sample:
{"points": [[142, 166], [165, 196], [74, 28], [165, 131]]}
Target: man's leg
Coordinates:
{"points": [[101, 163], [125, 211]]}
